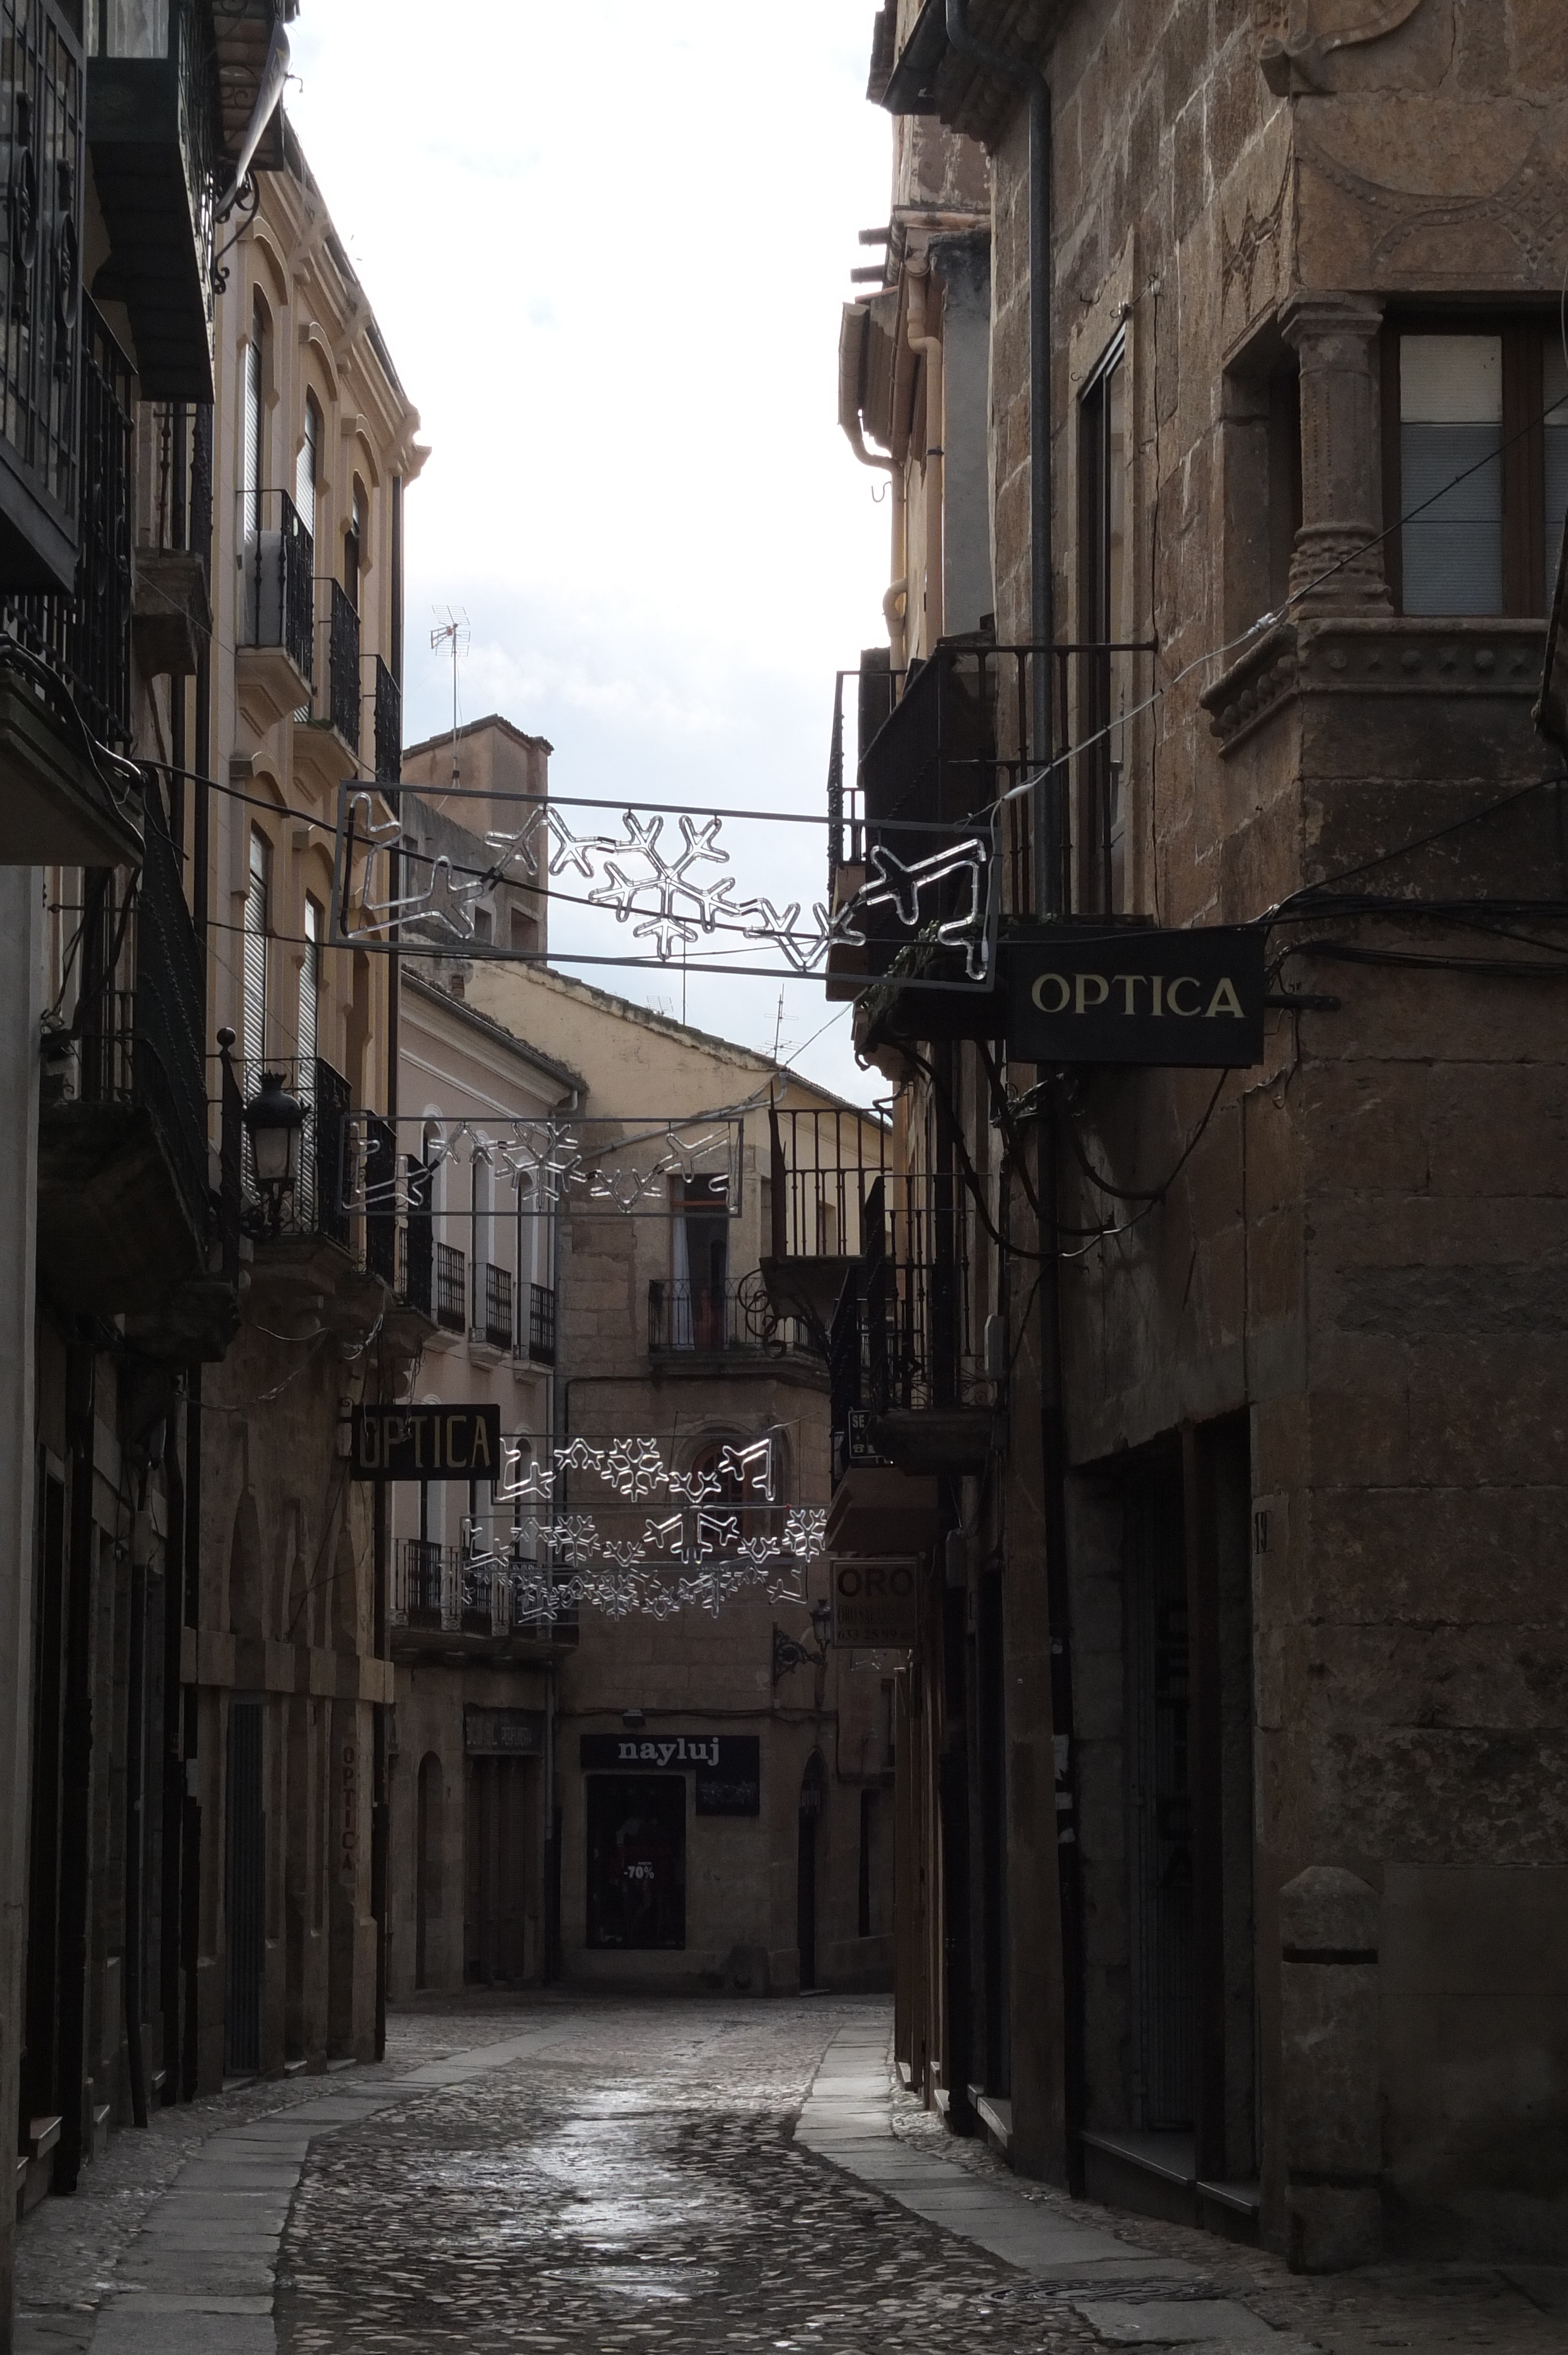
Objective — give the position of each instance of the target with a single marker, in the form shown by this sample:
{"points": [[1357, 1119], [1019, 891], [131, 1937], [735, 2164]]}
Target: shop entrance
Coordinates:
{"points": [[501, 1909], [637, 1861]]}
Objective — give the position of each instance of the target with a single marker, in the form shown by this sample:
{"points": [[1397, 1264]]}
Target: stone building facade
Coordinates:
{"points": [[1255, 1914], [697, 1800]]}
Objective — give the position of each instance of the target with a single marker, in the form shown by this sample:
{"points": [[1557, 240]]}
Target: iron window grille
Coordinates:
{"points": [[42, 96], [389, 725], [541, 1324], [280, 579], [343, 666], [451, 1287]]}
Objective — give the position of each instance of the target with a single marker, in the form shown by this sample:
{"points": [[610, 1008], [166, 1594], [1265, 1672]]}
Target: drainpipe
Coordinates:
{"points": [[1050, 900], [1050, 895], [896, 591], [929, 346]]}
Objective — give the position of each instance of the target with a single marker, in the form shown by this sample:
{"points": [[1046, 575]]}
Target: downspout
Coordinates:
{"points": [[1050, 897], [930, 347], [895, 599], [1050, 901]]}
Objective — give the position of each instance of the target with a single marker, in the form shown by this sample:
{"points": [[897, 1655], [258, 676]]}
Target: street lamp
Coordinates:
{"points": [[273, 1122]]}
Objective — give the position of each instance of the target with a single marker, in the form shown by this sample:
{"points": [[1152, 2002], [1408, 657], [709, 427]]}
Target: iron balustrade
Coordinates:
{"points": [[427, 1584], [343, 666], [85, 638], [822, 1168], [389, 724], [942, 742], [704, 1320], [43, 313], [901, 1334], [327, 1196], [173, 488], [451, 1287], [279, 558], [496, 1326], [541, 1337], [137, 1021]]}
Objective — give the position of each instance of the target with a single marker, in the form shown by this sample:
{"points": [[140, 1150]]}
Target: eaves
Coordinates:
{"points": [[469, 1016], [931, 76]]}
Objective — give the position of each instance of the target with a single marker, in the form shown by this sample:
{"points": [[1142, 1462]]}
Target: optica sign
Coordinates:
{"points": [[1127, 994]]}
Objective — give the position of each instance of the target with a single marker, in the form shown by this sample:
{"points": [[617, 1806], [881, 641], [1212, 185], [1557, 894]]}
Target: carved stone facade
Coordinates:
{"points": [[1298, 1649]]}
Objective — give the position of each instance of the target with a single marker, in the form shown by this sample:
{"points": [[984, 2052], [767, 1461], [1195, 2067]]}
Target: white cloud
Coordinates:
{"points": [[607, 249]]}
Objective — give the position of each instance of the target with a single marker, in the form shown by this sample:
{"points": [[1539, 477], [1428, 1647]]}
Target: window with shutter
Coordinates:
{"points": [[256, 926], [310, 993], [307, 469]]}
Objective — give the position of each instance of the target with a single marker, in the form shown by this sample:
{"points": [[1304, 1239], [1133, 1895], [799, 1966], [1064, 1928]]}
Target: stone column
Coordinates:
{"points": [[1331, 2069], [1341, 444]]}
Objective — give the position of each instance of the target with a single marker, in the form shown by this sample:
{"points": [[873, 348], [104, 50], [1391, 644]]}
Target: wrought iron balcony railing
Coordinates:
{"points": [[428, 1585], [538, 1343], [451, 1288], [134, 1032], [904, 1330], [495, 1326], [389, 727], [174, 479], [85, 638], [724, 1319], [823, 1166], [42, 96], [438, 1587], [279, 557], [343, 666]]}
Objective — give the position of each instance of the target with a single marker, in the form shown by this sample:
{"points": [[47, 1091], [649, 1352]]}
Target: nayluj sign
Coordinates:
{"points": [[728, 1766], [426, 1443], [1126, 995], [876, 1602]]}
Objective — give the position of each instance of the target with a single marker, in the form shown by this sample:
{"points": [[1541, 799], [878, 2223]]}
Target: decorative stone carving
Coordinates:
{"points": [[1240, 254], [1523, 221], [1318, 28], [1337, 567]]}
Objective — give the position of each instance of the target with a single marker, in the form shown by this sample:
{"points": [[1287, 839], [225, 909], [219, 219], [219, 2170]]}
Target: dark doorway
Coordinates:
{"points": [[428, 1862], [813, 1786], [501, 1910], [637, 1861], [245, 1879], [1160, 1794]]}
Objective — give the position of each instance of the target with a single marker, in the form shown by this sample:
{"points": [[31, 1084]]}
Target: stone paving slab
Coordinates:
{"points": [[1199, 2322]]}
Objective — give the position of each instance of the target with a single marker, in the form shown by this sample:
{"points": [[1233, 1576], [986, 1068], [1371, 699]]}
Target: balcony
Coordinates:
{"points": [[125, 1208], [40, 419], [451, 1288], [343, 666], [494, 1328], [697, 1323], [537, 1345], [438, 1592], [152, 125], [277, 660], [389, 727], [172, 611], [906, 1385], [823, 1168]]}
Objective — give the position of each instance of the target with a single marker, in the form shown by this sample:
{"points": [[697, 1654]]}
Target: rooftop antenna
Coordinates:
{"points": [[779, 1027], [452, 631]]}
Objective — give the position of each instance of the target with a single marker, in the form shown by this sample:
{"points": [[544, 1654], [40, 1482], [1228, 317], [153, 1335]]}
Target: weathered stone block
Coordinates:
{"points": [[1330, 2069]]}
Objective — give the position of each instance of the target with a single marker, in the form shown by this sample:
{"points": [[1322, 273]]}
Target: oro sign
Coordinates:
{"points": [[876, 1601]]}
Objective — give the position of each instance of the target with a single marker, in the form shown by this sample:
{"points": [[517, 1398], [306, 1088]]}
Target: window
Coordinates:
{"points": [[699, 1263], [484, 925], [1475, 457], [354, 541], [1105, 606], [524, 933], [307, 467], [256, 929], [310, 993], [127, 28], [250, 468]]}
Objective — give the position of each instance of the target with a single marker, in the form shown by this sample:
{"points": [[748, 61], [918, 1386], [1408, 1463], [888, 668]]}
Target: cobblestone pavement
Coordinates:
{"points": [[633, 2178]]}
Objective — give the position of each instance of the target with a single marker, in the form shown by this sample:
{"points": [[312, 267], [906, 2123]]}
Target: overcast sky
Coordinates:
{"points": [[607, 243]]}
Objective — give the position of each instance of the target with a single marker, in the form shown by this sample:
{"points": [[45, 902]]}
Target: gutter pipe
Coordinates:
{"points": [[1050, 897], [1050, 902], [929, 346]]}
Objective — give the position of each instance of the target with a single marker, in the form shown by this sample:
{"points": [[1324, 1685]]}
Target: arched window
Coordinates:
{"points": [[251, 469], [307, 466], [354, 545]]}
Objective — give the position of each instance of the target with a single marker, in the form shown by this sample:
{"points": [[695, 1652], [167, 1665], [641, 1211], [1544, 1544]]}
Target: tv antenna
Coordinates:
{"points": [[452, 631]]}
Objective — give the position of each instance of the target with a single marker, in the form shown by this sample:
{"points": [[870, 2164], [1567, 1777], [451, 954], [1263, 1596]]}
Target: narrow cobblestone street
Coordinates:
{"points": [[571, 2173]]}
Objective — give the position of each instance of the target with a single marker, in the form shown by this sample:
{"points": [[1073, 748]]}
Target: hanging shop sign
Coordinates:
{"points": [[1125, 995], [426, 1443], [503, 1733], [876, 1601], [728, 1766]]}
